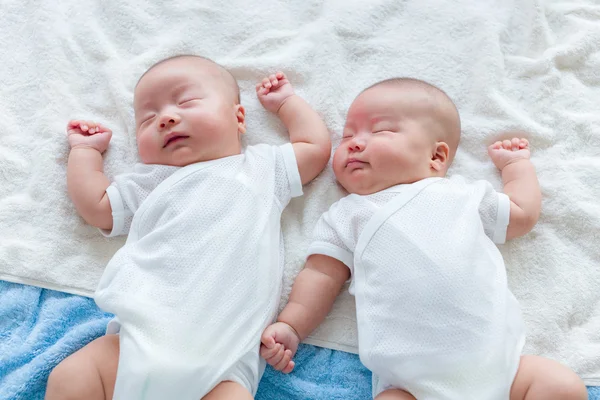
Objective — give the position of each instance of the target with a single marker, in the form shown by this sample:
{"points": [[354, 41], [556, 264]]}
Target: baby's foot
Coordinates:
{"points": [[273, 91], [505, 152]]}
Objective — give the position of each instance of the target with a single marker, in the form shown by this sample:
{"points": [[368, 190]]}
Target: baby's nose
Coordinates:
{"points": [[357, 145], [163, 124]]}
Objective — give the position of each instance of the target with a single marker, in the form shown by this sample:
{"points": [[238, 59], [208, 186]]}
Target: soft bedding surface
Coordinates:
{"points": [[531, 65]]}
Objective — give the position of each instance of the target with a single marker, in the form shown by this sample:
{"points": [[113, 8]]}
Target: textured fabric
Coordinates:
{"points": [[40, 327], [508, 64], [199, 277], [435, 315], [128, 191]]}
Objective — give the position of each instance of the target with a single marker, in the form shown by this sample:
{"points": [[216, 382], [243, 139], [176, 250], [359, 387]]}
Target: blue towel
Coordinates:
{"points": [[39, 328]]}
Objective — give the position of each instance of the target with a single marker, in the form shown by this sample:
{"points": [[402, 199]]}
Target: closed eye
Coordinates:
{"points": [[187, 101], [384, 131], [147, 119]]}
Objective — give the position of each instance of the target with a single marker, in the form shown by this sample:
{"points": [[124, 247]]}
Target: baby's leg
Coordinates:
{"points": [[545, 379], [394, 394], [228, 390], [88, 374]]}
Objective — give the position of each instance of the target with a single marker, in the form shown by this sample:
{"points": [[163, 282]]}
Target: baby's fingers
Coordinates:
{"points": [[74, 123], [283, 364], [289, 368], [524, 143], [88, 126], [270, 349], [276, 359], [101, 128], [515, 142]]}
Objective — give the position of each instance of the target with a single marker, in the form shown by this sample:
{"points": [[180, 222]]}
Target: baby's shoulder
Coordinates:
{"points": [[146, 173], [349, 202], [262, 150], [347, 210], [460, 182]]}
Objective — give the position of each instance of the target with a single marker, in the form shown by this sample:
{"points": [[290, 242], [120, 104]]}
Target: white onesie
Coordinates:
{"points": [[435, 315], [199, 277]]}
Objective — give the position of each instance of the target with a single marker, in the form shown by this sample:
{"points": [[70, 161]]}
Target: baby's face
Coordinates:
{"points": [[185, 114], [385, 143]]}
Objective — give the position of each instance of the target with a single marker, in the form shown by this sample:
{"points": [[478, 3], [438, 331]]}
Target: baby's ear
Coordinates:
{"points": [[439, 158], [240, 114]]}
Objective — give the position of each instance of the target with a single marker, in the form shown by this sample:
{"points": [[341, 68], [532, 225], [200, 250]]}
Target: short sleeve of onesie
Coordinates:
{"points": [[329, 240], [287, 177], [128, 191], [494, 210], [287, 182]]}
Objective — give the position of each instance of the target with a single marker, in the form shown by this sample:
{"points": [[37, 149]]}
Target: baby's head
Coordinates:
{"points": [[187, 110], [397, 131]]}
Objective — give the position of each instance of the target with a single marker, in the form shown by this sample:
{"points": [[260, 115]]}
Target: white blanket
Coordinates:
{"points": [[533, 65]]}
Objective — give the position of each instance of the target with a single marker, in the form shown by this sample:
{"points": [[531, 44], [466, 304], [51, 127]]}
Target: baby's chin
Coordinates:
{"points": [[364, 186], [358, 186], [176, 159]]}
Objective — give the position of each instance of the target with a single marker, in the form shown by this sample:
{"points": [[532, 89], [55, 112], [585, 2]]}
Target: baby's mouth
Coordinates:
{"points": [[353, 162], [173, 138]]}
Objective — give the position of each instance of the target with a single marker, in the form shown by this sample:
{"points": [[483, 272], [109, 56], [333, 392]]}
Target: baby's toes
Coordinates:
{"points": [[507, 144], [515, 144]]}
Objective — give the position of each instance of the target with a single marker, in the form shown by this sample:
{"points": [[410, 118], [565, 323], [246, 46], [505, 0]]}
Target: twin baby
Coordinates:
{"points": [[195, 289]]}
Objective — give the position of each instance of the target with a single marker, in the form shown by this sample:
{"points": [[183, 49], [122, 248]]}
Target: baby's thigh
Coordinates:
{"points": [[228, 390], [394, 394], [542, 378], [89, 373]]}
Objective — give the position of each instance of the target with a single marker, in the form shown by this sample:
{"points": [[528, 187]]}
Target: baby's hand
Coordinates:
{"points": [[88, 134], [509, 151], [274, 91], [279, 344]]}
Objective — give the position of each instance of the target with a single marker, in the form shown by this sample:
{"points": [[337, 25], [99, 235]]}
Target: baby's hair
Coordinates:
{"points": [[441, 103], [227, 76]]}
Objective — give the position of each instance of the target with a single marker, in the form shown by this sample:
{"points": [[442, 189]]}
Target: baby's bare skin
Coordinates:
{"points": [[176, 133], [387, 141]]}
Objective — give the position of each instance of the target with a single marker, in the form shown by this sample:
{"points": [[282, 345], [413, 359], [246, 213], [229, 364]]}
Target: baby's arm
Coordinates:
{"points": [[312, 297], [86, 181], [308, 132], [520, 184]]}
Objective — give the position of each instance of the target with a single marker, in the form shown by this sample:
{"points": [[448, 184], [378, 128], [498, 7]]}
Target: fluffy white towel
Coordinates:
{"points": [[531, 64]]}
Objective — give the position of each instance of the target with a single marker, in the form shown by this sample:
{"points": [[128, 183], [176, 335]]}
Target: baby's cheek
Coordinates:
{"points": [[146, 148], [337, 163]]}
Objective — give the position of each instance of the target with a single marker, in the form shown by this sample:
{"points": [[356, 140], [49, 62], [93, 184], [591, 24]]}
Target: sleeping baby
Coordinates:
{"points": [[436, 319], [199, 277]]}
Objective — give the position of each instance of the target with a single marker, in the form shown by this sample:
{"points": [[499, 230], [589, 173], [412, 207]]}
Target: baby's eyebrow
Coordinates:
{"points": [[380, 118], [182, 88], [143, 106]]}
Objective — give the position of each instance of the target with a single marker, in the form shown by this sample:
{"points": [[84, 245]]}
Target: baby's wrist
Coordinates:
{"points": [[515, 162], [294, 331], [284, 101], [83, 147], [86, 148]]}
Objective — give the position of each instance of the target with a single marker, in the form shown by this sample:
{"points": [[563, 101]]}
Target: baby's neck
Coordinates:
{"points": [[384, 186]]}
